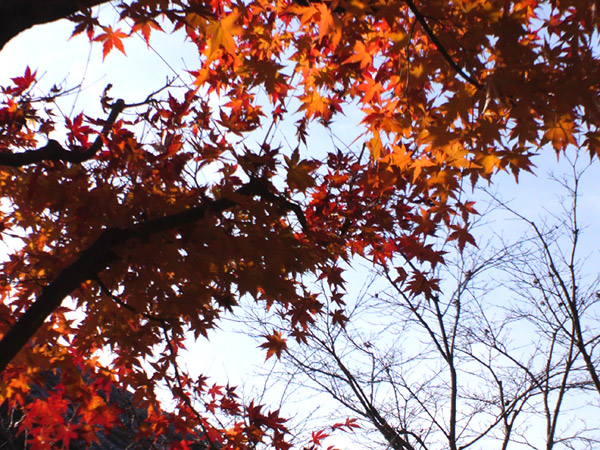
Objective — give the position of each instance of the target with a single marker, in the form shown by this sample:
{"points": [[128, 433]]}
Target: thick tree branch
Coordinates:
{"points": [[91, 261], [53, 151], [19, 15], [101, 254]]}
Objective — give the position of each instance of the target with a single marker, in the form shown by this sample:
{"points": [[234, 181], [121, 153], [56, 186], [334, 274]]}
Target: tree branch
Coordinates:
{"points": [[421, 19], [391, 435], [98, 256], [53, 151], [89, 263], [19, 15], [439, 46]]}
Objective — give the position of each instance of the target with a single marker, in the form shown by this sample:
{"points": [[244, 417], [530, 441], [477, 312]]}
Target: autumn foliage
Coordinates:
{"points": [[112, 211]]}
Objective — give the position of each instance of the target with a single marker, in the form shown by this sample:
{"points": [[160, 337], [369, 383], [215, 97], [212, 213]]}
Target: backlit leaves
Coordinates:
{"points": [[560, 133], [111, 38], [275, 344], [222, 34], [145, 27], [300, 173], [22, 83], [201, 215]]}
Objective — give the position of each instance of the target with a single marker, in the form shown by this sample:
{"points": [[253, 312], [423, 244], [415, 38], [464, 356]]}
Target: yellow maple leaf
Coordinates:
{"points": [[489, 162], [419, 164], [222, 34], [560, 133]]}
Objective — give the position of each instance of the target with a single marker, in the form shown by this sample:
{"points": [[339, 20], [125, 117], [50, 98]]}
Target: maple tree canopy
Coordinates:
{"points": [[113, 213]]}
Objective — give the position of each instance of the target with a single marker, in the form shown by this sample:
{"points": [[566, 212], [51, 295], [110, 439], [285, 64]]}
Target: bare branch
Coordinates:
{"points": [[53, 151]]}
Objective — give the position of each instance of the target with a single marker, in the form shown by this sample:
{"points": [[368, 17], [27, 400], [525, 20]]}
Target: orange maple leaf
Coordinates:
{"points": [[560, 133], [275, 344], [146, 27], [361, 55], [222, 33], [111, 38]]}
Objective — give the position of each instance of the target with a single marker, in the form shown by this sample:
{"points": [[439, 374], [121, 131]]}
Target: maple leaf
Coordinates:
{"points": [[275, 344], [490, 162], [24, 82], [333, 276], [592, 141], [329, 25], [371, 90], [420, 284], [560, 133], [85, 22], [419, 164], [360, 55], [78, 132], [299, 172], [318, 436], [66, 434], [339, 318], [462, 236], [145, 27], [349, 423], [215, 391], [163, 220], [316, 105], [111, 38], [222, 34]]}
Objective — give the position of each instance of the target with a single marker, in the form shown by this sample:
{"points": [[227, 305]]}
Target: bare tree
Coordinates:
{"points": [[557, 293], [504, 356]]}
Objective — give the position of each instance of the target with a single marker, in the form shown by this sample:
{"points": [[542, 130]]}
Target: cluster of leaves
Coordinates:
{"points": [[118, 216]]}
